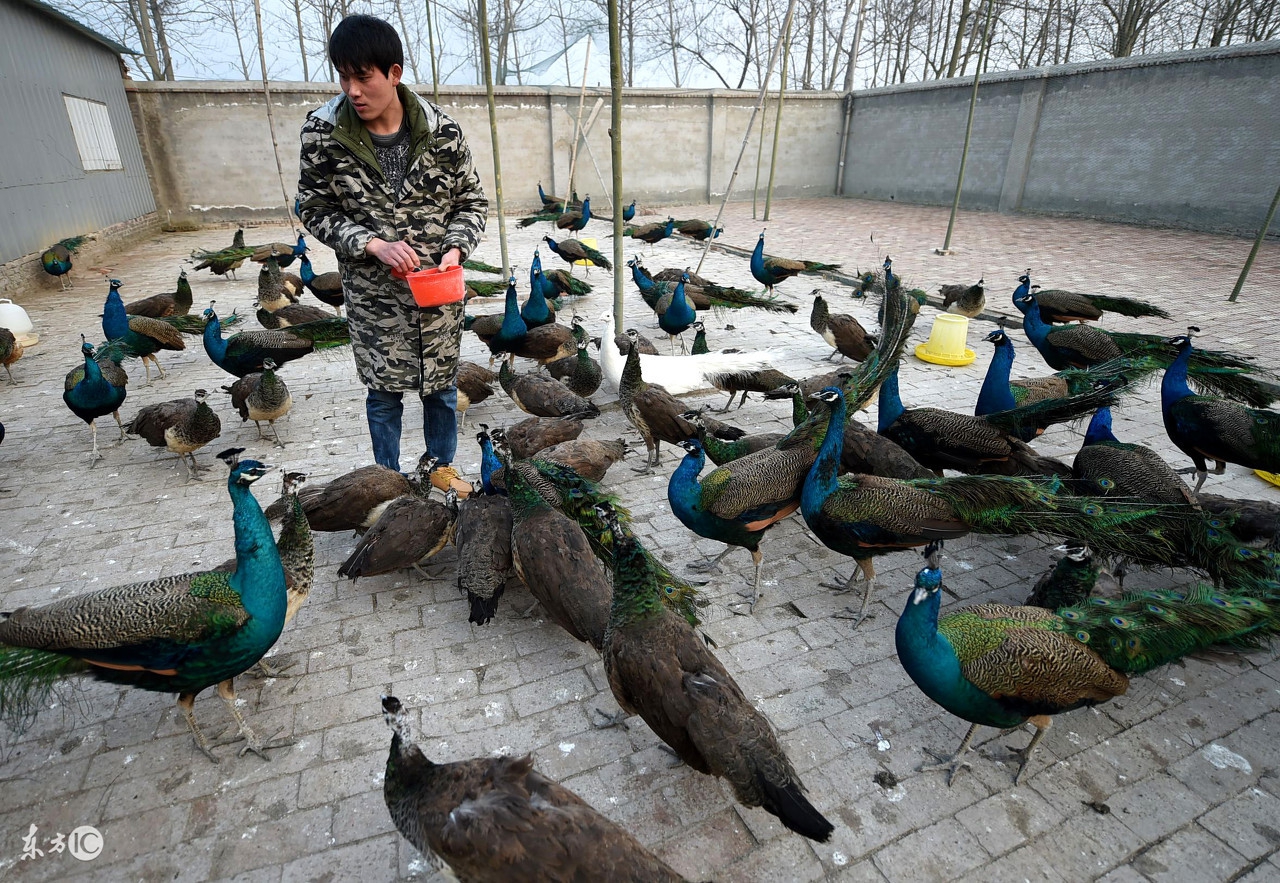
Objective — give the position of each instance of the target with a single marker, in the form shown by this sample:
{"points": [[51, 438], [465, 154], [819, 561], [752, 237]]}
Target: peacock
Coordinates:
{"points": [[653, 233], [475, 384], [557, 282], [581, 373], [964, 300], [410, 530], [56, 260], [556, 203], [763, 381], [769, 271], [483, 538], [327, 287], [678, 316], [677, 374], [11, 350], [659, 669], [177, 634], [589, 457], [572, 251], [1080, 346], [536, 310], [1072, 580], [998, 405], [544, 396], [1069, 306], [95, 390], [222, 261], [719, 451], [283, 253], [354, 500], [941, 439], [842, 332], [1206, 428], [657, 289], [496, 819], [138, 336], [244, 352], [1001, 666], [574, 221], [528, 437], [694, 504], [159, 306], [863, 516], [502, 332], [698, 229], [260, 396], [182, 426]]}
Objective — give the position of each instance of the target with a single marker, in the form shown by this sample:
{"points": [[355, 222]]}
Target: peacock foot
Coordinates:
{"points": [[710, 565], [952, 765], [856, 615], [264, 669], [253, 742], [610, 720], [675, 759], [843, 587]]}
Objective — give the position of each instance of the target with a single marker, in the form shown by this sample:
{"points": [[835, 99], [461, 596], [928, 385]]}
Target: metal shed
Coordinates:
{"points": [[72, 160]]}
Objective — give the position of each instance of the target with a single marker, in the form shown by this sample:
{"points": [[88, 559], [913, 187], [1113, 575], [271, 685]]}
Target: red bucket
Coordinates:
{"points": [[435, 287]]}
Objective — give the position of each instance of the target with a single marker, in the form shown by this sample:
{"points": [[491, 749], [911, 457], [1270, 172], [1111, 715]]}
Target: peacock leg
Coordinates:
{"points": [[1041, 722], [834, 353], [610, 720], [276, 433], [709, 566], [868, 569], [94, 456], [187, 705], [954, 763], [742, 401], [729, 404], [159, 367], [116, 414], [252, 742], [259, 426], [757, 558], [12, 382]]}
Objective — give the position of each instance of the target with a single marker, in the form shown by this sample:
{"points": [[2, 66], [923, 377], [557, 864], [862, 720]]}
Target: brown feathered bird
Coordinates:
{"points": [[586, 456], [158, 306], [964, 300], [497, 820], [409, 531], [659, 668], [10, 352], [183, 426], [483, 538], [475, 384], [842, 332], [352, 501], [544, 396], [528, 437]]}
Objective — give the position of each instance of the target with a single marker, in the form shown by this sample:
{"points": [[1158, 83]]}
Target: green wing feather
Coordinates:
{"points": [[481, 267], [28, 679]]}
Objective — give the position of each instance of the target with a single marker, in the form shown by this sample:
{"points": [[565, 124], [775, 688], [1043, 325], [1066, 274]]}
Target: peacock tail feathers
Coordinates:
{"points": [[1139, 632], [71, 243], [28, 679], [481, 267], [898, 316], [1050, 411]]}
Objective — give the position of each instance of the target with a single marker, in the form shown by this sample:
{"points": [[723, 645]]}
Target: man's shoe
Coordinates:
{"points": [[445, 477]]}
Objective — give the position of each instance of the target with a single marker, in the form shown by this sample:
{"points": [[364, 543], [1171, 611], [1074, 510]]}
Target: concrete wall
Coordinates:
{"points": [[210, 156], [1189, 139], [45, 193]]}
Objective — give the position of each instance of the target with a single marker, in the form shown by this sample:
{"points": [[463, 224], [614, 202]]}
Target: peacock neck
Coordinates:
{"points": [[511, 321], [684, 491], [489, 464], [822, 479], [214, 345], [525, 501], [259, 576], [890, 406], [1100, 428], [308, 275], [631, 377], [1174, 387], [635, 587], [757, 256], [115, 322], [1034, 326], [927, 656], [995, 394], [642, 281], [799, 412], [1023, 289]]}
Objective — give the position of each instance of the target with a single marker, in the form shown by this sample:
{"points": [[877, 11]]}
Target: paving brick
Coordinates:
{"points": [[1156, 806], [1008, 819], [1190, 854], [941, 851], [1249, 823]]}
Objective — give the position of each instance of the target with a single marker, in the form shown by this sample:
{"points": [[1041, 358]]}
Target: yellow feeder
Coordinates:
{"points": [[946, 341], [1268, 477], [589, 243]]}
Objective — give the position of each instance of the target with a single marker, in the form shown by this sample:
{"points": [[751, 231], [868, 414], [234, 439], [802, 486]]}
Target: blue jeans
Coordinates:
{"points": [[384, 411]]}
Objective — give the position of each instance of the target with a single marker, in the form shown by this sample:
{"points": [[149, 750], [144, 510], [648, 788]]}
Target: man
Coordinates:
{"points": [[388, 183]]}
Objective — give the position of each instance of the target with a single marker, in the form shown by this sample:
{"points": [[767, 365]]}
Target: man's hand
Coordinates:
{"points": [[398, 256], [451, 258]]}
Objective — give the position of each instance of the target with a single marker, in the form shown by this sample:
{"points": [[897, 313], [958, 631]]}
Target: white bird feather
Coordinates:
{"points": [[679, 374]]}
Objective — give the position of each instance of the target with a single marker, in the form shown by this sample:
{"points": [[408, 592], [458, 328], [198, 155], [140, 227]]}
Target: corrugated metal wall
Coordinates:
{"points": [[45, 194]]}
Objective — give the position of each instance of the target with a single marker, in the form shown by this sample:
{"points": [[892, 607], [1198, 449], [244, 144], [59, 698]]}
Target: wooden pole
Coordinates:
{"points": [[577, 126], [271, 117], [746, 136], [777, 121], [968, 131], [615, 157], [431, 49], [493, 135], [1257, 244], [755, 188]]}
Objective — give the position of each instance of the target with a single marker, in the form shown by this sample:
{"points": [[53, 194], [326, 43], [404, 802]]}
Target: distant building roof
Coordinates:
{"points": [[79, 27]]}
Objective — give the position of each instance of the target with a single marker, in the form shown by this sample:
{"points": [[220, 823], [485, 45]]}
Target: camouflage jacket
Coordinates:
{"points": [[345, 201]]}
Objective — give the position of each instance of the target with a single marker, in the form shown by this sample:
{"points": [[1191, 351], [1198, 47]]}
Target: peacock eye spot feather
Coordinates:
{"points": [[1091, 510], [1120, 622], [1069, 615], [1082, 636], [1215, 522], [1106, 483], [1219, 601], [1156, 609]]}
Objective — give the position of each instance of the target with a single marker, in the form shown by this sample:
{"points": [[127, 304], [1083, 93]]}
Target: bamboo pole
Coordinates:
{"points": [[431, 50], [777, 121], [271, 117], [1257, 244], [968, 130], [493, 135], [746, 136], [755, 188], [577, 126], [615, 157]]}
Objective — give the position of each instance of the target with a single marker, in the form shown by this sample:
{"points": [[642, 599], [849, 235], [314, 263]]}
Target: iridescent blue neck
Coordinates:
{"points": [[115, 322], [1099, 428], [995, 394], [890, 406], [684, 491], [643, 282], [1174, 386], [822, 479]]}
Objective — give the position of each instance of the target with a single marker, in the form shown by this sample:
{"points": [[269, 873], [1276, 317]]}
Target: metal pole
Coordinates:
{"points": [[271, 117], [968, 131], [1257, 244], [615, 158], [746, 136], [777, 121], [577, 126], [493, 134], [431, 49]]}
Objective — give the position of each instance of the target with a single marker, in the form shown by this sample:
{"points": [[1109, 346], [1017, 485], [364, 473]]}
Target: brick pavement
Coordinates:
{"points": [[1184, 765]]}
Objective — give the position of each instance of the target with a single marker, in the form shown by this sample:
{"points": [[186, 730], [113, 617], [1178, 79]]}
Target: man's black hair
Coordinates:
{"points": [[362, 42]]}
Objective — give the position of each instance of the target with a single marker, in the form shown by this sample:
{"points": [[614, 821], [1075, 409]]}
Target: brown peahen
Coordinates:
{"points": [[842, 332], [177, 634], [261, 396], [182, 426], [762, 380], [1000, 666], [544, 396], [483, 538], [659, 668], [10, 352], [158, 306], [655, 413], [222, 261], [530, 436], [410, 530], [588, 457], [964, 300], [497, 820], [580, 373], [352, 501], [475, 384]]}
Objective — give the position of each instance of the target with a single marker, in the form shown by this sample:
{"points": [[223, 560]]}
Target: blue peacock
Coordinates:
{"points": [[770, 271], [96, 389], [244, 352], [178, 634], [1002, 666]]}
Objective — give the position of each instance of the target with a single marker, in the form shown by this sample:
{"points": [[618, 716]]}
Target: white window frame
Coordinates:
{"points": [[95, 139]]}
